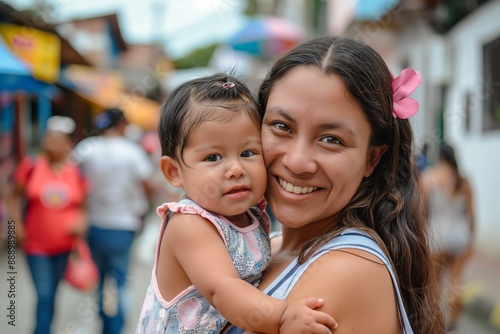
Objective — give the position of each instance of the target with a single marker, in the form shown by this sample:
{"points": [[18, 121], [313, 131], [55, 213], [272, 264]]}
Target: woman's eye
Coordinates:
{"points": [[247, 154], [331, 140], [213, 157], [281, 126]]}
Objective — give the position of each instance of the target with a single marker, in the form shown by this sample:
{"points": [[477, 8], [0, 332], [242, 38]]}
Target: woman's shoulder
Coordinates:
{"points": [[357, 239], [357, 289], [465, 186], [349, 262], [350, 258], [25, 169], [352, 244]]}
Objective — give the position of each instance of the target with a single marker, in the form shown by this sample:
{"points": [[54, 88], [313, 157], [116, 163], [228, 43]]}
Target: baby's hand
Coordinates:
{"points": [[300, 317]]}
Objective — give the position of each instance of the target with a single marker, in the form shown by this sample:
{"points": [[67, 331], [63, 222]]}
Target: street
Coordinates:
{"points": [[76, 311]]}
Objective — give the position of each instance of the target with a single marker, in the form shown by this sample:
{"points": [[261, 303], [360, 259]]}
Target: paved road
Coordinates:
{"points": [[470, 325], [76, 311]]}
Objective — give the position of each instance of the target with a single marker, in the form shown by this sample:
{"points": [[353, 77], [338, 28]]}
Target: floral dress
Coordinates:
{"points": [[189, 311]]}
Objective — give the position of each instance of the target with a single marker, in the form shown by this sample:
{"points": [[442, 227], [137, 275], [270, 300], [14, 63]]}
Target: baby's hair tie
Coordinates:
{"points": [[402, 86], [228, 85]]}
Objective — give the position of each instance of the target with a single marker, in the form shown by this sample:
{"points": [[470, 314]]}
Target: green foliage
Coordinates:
{"points": [[197, 58], [496, 112], [251, 8]]}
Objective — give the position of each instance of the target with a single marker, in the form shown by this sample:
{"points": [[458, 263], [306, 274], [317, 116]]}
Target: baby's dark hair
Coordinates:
{"points": [[178, 121]]}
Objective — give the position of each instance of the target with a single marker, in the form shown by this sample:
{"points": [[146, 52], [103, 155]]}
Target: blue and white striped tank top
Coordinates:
{"points": [[350, 238]]}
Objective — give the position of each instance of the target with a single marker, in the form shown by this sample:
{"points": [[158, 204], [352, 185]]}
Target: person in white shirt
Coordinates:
{"points": [[118, 170]]}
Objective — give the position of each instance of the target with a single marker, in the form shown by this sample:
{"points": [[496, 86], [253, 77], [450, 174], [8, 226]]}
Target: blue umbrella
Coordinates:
{"points": [[266, 36], [15, 75]]}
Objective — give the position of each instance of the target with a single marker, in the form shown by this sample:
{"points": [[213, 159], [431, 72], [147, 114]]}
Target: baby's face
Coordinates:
{"points": [[223, 168]]}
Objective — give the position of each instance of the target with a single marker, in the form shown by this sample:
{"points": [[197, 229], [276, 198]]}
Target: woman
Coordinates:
{"points": [[451, 223], [342, 182], [54, 192]]}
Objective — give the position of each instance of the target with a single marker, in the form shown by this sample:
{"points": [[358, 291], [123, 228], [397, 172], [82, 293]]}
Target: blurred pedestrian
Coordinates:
{"points": [[450, 211], [422, 158], [118, 170], [54, 191]]}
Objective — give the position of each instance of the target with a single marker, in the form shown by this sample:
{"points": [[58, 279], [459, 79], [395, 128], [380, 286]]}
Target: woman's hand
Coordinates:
{"points": [[301, 317], [79, 228], [20, 234]]}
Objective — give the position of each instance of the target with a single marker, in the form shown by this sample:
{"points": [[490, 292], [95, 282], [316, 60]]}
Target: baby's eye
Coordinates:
{"points": [[281, 126], [213, 157], [247, 154], [331, 140]]}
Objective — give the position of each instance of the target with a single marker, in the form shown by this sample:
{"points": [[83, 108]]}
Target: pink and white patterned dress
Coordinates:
{"points": [[189, 312]]}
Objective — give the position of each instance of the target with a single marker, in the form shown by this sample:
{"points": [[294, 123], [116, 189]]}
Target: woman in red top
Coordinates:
{"points": [[54, 191]]}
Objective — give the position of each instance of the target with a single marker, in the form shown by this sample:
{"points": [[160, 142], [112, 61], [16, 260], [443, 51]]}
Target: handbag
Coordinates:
{"points": [[81, 271]]}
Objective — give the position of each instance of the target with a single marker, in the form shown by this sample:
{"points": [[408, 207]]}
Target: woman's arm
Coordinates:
{"points": [[201, 252], [357, 289], [80, 227], [469, 205]]}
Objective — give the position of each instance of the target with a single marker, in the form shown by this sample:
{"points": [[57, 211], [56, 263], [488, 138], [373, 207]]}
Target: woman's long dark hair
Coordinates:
{"points": [[387, 204]]}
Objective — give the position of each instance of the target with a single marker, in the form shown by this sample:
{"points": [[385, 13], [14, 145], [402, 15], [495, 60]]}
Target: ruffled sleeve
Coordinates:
{"points": [[188, 207]]}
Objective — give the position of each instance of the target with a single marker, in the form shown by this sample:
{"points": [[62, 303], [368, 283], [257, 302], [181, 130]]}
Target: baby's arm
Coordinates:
{"points": [[201, 252]]}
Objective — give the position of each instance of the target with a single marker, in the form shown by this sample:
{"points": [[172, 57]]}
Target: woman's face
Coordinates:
{"points": [[315, 139], [56, 145]]}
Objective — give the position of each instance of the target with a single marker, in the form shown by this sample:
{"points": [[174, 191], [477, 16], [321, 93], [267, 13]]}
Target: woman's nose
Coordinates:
{"points": [[299, 157]]}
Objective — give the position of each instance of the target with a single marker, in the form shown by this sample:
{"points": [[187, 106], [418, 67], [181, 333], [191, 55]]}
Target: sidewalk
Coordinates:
{"points": [[76, 311], [481, 294]]}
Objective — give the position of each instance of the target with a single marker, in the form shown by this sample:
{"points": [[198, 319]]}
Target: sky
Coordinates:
{"points": [[169, 21], [179, 24]]}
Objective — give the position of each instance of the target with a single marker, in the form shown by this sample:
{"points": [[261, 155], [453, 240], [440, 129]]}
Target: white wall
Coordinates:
{"points": [[424, 51], [478, 151], [457, 59]]}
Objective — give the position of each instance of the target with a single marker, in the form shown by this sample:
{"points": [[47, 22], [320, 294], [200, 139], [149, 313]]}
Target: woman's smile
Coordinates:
{"points": [[316, 159], [291, 188]]}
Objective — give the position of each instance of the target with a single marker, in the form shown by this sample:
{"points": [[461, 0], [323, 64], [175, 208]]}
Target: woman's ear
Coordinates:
{"points": [[374, 155], [171, 170]]}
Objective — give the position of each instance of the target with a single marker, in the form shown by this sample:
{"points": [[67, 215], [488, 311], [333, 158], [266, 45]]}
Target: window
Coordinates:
{"points": [[491, 87], [468, 106]]}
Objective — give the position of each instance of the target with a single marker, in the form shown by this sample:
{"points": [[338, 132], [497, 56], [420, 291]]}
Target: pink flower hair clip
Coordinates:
{"points": [[228, 85], [402, 87]]}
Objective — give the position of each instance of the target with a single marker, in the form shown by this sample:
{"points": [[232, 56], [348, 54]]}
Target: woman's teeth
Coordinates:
{"points": [[295, 189]]}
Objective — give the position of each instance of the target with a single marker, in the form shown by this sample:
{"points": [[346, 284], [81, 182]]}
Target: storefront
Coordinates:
{"points": [[104, 88]]}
